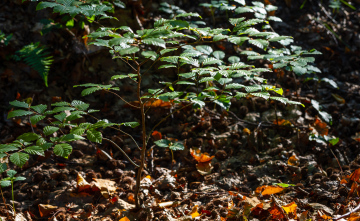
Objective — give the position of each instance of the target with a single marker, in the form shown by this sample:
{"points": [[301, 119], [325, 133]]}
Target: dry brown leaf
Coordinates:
{"points": [[338, 98], [321, 127], [106, 187], [276, 213], [355, 175], [45, 209], [204, 168], [82, 184], [156, 135]]}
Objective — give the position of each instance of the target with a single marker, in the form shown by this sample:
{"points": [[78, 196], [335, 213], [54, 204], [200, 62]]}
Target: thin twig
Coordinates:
{"points": [[123, 99], [122, 151]]}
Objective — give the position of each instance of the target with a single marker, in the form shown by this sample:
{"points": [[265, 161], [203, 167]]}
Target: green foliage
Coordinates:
{"points": [[5, 39], [37, 58]]}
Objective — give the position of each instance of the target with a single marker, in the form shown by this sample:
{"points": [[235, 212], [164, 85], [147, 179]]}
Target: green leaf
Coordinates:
{"points": [[80, 105], [209, 61], [3, 167], [206, 49], [233, 59], [90, 90], [60, 104], [238, 40], [70, 137], [19, 159], [35, 150], [192, 14], [167, 66], [19, 104], [60, 109], [334, 141], [154, 41], [149, 54], [36, 118], [219, 55], [61, 117], [198, 102], [185, 82], [164, 51], [131, 124], [77, 130], [236, 21], [63, 150], [48, 130], [18, 113], [285, 185], [19, 178], [46, 146], [163, 143], [126, 51], [179, 23], [171, 59], [176, 146], [28, 137], [4, 148], [41, 108], [94, 136], [5, 183]]}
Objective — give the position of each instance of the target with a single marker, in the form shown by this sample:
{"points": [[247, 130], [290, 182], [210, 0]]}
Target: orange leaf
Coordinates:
{"points": [[246, 131], [46, 210], [355, 175], [156, 135], [194, 213], [201, 157], [293, 160], [356, 137], [260, 189], [272, 190], [290, 209], [282, 122], [321, 127], [354, 216], [276, 213], [124, 219], [131, 198]]}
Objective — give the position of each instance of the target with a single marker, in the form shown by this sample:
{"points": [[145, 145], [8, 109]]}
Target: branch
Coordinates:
{"points": [[132, 162]]}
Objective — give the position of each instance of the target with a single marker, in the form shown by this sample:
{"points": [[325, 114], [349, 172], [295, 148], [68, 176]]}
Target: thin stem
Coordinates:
{"points": [[123, 99], [4, 201], [12, 193], [122, 151]]}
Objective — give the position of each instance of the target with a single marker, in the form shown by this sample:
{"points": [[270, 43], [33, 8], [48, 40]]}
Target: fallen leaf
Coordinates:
{"points": [[354, 216], [355, 175], [45, 209], [246, 131], [201, 157], [293, 160], [131, 199], [204, 168], [194, 212], [124, 219], [106, 187], [282, 122], [156, 135], [290, 209], [82, 184], [269, 190], [338, 98], [321, 127], [356, 137], [276, 213]]}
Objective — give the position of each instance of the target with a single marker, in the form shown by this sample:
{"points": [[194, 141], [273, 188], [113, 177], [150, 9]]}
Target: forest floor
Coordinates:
{"points": [[256, 160]]}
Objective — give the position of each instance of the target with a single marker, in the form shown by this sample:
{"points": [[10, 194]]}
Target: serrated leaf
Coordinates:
{"points": [[185, 82], [19, 159], [198, 102], [233, 59], [36, 118], [19, 104], [176, 146], [18, 113], [80, 105], [238, 40], [179, 23], [61, 117], [154, 41], [4, 148], [299, 70], [35, 150], [163, 143], [192, 14], [19, 178], [94, 136], [3, 167], [59, 109], [130, 50], [209, 61], [206, 49], [63, 150], [90, 90], [71, 137], [167, 66], [28, 137], [77, 130], [131, 124], [171, 59], [41, 108], [164, 51], [60, 104], [147, 54], [48, 130]]}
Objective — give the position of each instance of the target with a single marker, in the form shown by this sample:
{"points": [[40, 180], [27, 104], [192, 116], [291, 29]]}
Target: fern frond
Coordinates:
{"points": [[37, 58]]}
